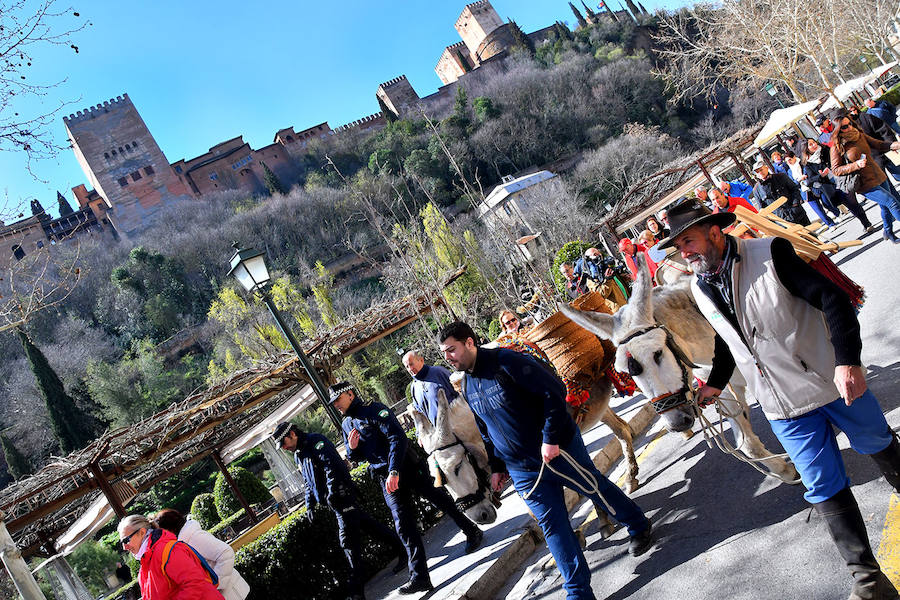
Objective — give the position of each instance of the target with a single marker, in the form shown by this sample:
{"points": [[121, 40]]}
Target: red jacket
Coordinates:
{"points": [[733, 203], [629, 262], [184, 578]]}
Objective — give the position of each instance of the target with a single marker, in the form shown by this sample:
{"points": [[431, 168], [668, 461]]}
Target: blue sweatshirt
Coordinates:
{"points": [[519, 405], [425, 386]]}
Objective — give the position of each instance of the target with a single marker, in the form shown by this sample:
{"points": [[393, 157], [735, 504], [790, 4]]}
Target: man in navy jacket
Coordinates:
{"points": [[372, 433], [521, 409]]}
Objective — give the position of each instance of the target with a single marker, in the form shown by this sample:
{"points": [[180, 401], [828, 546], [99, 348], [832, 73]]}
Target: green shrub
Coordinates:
{"points": [[92, 561], [251, 487], [892, 95], [298, 553], [203, 509], [217, 529]]}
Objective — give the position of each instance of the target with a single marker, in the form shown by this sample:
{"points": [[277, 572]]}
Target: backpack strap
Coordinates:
{"points": [[167, 553]]}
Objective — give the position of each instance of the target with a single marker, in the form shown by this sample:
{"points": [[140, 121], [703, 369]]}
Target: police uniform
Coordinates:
{"points": [[328, 481], [383, 443]]}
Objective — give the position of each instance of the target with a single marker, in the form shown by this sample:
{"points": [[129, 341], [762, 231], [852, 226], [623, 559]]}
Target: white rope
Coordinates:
{"points": [[721, 441], [592, 484]]}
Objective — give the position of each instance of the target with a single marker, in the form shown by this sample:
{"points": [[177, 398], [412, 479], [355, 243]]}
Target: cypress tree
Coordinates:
{"points": [[581, 21], [271, 180], [522, 40], [16, 463], [65, 417], [591, 15], [64, 207], [389, 115]]}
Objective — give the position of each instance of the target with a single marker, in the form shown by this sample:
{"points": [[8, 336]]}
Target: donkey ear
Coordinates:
{"points": [[598, 323], [422, 425], [442, 423]]}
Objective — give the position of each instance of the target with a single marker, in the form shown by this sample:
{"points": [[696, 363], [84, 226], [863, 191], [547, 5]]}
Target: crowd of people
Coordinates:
{"points": [[521, 405]]}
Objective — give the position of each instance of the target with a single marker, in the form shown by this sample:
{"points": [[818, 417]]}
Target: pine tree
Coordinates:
{"points": [[65, 417], [522, 40], [16, 463], [389, 115], [271, 180], [581, 21], [64, 207]]}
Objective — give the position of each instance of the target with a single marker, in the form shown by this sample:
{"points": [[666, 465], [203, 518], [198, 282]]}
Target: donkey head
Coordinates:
{"points": [[644, 350], [449, 454]]}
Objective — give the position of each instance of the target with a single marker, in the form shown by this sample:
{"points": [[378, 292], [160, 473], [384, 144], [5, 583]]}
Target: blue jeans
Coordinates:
{"points": [[811, 443], [817, 208], [888, 199], [548, 505]]}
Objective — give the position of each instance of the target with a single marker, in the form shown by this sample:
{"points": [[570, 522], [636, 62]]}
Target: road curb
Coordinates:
{"points": [[496, 576]]}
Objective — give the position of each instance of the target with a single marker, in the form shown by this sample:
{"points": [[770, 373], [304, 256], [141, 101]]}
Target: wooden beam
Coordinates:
{"points": [[108, 491]]}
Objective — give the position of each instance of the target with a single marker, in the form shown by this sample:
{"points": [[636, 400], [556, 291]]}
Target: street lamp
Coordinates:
{"points": [[249, 267], [772, 91], [837, 71]]}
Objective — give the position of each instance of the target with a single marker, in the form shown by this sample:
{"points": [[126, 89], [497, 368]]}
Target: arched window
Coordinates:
{"points": [[18, 253]]}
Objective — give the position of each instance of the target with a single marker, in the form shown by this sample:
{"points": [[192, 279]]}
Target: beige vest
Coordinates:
{"points": [[787, 360]]}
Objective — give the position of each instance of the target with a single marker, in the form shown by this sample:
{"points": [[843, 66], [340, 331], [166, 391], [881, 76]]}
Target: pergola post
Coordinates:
{"points": [[107, 490], [705, 173], [66, 583], [286, 472], [741, 167], [234, 488], [17, 567]]}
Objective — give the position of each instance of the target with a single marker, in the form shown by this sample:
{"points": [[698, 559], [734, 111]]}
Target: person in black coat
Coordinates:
{"points": [[817, 168], [328, 482], [772, 186]]}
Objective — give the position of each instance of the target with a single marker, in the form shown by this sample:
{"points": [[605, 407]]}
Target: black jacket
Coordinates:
{"points": [[382, 441], [774, 187], [878, 129]]}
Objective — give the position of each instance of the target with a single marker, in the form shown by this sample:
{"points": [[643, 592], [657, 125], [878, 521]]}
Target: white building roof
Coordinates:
{"points": [[508, 188]]}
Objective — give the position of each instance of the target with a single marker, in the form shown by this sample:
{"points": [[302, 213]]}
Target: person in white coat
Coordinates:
{"points": [[217, 553]]}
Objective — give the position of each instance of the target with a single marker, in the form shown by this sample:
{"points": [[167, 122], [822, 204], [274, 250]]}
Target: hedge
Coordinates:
{"points": [[892, 95], [203, 509], [570, 252], [298, 555], [250, 485]]}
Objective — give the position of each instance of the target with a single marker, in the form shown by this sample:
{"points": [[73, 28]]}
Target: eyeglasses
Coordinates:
{"points": [[127, 538], [845, 126], [513, 320]]}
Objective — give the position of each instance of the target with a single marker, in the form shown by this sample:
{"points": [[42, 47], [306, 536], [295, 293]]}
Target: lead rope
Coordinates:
{"points": [[721, 442], [592, 484]]}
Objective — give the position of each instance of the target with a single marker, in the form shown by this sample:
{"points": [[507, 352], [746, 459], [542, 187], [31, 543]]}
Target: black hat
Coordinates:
{"points": [[836, 114], [689, 213], [335, 391], [820, 120], [280, 432]]}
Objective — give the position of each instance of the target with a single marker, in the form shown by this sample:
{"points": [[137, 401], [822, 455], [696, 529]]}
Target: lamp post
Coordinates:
{"points": [[837, 71], [249, 267], [772, 91]]}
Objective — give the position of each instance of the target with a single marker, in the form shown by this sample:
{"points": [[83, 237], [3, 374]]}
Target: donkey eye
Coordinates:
{"points": [[634, 367], [657, 356], [456, 470]]}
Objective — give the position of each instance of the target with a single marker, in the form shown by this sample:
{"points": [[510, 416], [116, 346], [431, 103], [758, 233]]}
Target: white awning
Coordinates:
{"points": [[94, 518], [783, 118]]}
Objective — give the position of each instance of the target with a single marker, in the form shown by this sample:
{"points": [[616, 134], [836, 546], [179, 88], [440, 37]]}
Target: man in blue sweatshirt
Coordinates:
{"points": [[521, 410], [427, 380]]}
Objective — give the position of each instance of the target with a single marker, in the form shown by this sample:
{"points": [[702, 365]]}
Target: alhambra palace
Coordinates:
{"points": [[130, 179]]}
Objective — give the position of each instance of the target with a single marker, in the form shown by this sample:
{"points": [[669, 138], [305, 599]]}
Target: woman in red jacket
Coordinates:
{"points": [[170, 570]]}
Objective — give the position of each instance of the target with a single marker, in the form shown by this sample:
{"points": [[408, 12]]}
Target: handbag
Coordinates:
{"points": [[849, 184]]}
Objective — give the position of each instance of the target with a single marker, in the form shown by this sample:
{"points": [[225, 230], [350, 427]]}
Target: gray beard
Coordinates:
{"points": [[707, 264]]}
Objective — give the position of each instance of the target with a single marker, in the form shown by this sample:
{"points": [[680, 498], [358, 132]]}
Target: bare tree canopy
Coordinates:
{"points": [[25, 32], [788, 43]]}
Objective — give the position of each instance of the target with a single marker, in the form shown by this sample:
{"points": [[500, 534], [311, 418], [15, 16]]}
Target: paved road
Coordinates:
{"points": [[725, 531]]}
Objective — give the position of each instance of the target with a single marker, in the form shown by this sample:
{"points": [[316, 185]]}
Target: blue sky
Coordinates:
{"points": [[203, 72]]}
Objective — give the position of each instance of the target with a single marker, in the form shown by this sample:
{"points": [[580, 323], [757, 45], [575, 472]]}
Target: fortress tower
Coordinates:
{"points": [[123, 162], [398, 95], [477, 20]]}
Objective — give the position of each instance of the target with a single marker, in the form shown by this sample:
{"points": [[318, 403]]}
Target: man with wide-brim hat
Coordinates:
{"points": [[328, 482], [372, 433], [770, 186], [794, 336]]}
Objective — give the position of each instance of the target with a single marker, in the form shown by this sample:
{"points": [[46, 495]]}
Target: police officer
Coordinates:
{"points": [[328, 481], [521, 408], [372, 433]]}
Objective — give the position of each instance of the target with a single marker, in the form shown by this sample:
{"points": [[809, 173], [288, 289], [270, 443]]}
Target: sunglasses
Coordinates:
{"points": [[513, 320], [846, 126], [127, 538]]}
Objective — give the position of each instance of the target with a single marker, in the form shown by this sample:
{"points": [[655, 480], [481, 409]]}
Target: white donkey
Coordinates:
{"points": [[450, 443], [661, 338]]}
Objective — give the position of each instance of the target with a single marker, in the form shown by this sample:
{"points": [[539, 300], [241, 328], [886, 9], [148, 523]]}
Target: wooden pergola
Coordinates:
{"points": [[125, 462]]}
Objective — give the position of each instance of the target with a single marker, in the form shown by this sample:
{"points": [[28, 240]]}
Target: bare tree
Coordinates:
{"points": [[40, 280], [871, 22], [25, 31]]}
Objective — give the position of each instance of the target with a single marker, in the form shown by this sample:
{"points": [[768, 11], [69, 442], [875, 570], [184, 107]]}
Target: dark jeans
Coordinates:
{"points": [[351, 523]]}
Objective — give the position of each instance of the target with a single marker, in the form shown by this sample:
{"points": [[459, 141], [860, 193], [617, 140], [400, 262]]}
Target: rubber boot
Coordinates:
{"points": [[848, 530], [888, 460]]}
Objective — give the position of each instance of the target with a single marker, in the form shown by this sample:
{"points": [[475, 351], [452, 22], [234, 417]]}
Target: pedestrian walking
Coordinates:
{"points": [[817, 168], [772, 186], [794, 336], [170, 570], [328, 482], [522, 411], [372, 433], [850, 155], [219, 555]]}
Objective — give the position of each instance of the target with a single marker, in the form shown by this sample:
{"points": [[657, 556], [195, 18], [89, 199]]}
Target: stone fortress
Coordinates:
{"points": [[132, 179]]}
